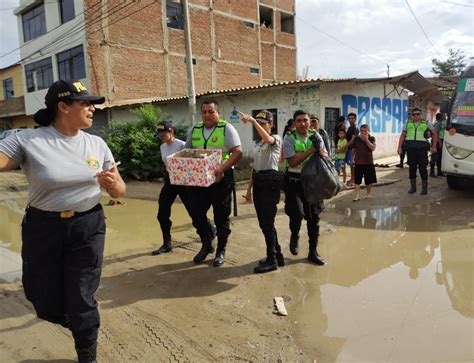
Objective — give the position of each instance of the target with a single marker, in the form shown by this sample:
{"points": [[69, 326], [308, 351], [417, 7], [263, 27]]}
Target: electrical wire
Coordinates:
{"points": [[421, 27]]}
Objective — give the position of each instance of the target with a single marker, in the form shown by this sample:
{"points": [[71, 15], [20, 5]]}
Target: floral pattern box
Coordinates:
{"points": [[194, 167]]}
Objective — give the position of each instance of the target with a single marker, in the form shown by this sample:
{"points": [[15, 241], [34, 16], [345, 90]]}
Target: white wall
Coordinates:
{"points": [[58, 38]]}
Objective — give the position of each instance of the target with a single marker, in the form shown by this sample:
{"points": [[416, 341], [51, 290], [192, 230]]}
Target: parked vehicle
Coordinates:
{"points": [[5, 134], [458, 147]]}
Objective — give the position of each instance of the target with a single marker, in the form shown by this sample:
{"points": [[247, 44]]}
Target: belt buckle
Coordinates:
{"points": [[67, 214]]}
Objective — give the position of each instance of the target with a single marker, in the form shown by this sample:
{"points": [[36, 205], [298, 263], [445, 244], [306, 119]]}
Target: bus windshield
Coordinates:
{"points": [[462, 112]]}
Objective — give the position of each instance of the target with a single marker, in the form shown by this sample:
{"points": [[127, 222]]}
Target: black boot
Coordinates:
{"points": [[313, 255], [87, 355], [412, 186], [220, 254], [294, 244], [268, 265], [424, 187], [203, 252], [165, 248], [432, 173]]}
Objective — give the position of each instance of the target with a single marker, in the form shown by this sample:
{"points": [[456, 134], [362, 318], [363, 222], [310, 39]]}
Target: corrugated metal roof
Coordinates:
{"points": [[412, 81]]}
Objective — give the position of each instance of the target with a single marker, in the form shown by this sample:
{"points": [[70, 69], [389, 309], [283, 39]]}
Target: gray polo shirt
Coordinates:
{"points": [[60, 169], [168, 149], [289, 150], [266, 156]]}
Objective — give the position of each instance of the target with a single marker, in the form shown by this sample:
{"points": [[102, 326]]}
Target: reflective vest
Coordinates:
{"points": [[442, 128], [301, 145], [216, 140], [416, 135]]}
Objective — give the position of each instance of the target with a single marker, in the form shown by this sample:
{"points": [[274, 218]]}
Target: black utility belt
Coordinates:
{"points": [[65, 214], [268, 176], [293, 177]]}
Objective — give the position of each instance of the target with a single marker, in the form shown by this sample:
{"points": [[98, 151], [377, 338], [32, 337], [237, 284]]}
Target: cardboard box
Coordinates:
{"points": [[194, 167]]}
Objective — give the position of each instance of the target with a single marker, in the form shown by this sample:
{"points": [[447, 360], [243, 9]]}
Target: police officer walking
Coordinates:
{"points": [[298, 147], [266, 181], [169, 192], [440, 126], [214, 133], [63, 230], [414, 135]]}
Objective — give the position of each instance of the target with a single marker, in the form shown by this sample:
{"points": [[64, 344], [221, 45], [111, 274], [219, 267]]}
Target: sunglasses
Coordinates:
{"points": [[416, 114]]}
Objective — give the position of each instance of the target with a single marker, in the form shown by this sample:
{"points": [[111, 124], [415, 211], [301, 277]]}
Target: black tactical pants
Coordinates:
{"points": [[417, 160], [62, 264]]}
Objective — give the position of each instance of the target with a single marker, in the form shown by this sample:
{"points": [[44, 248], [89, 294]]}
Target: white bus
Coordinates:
{"points": [[458, 147]]}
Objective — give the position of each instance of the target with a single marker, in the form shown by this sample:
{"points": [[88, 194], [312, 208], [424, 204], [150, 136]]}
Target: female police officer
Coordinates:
{"points": [[266, 182], [63, 228]]}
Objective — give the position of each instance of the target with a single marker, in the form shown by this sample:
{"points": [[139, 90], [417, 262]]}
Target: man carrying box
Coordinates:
{"points": [[214, 133]]}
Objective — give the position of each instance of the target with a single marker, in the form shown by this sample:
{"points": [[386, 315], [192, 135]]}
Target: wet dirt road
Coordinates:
{"points": [[398, 287]]}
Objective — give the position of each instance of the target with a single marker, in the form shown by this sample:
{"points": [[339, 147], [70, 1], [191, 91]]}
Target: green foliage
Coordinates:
{"points": [[135, 145], [451, 66]]}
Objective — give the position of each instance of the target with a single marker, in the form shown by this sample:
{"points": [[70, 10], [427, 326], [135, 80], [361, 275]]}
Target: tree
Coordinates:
{"points": [[451, 66]]}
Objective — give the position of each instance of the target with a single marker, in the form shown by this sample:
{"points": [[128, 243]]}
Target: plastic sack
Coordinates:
{"points": [[319, 179]]}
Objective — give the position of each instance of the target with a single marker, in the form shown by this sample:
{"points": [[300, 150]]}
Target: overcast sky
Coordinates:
{"points": [[350, 38]]}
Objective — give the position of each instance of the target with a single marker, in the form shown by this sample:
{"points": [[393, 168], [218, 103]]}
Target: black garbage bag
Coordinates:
{"points": [[319, 179]]}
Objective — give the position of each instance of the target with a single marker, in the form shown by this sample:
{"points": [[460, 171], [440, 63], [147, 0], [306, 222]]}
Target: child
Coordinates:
{"points": [[341, 154]]}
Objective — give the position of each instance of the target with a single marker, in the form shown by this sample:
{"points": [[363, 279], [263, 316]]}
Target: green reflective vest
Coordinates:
{"points": [[301, 145], [416, 134], [216, 139]]}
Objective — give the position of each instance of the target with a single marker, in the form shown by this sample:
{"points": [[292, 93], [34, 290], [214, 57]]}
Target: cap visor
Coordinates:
{"points": [[91, 99], [261, 120]]}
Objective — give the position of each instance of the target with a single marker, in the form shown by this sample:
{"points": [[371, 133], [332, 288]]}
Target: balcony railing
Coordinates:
{"points": [[12, 107]]}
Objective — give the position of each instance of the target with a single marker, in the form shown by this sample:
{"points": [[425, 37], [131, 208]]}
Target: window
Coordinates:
{"points": [[274, 111], [34, 23], [248, 24], [174, 14], [287, 23], [66, 10], [254, 71], [39, 75], [7, 88], [266, 17], [71, 64]]}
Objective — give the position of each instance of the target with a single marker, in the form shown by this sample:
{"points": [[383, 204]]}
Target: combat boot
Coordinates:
{"points": [[294, 248], [220, 254], [412, 186], [165, 248], [203, 252], [424, 187], [87, 355], [313, 255], [432, 173], [268, 265]]}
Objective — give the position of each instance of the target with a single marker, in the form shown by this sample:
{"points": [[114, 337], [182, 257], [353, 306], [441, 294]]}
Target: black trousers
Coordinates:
{"points": [[436, 158], [217, 195], [417, 160], [297, 208], [168, 195], [62, 264], [266, 196]]}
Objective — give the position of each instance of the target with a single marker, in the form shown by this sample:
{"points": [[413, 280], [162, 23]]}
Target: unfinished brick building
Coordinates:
{"points": [[136, 50]]}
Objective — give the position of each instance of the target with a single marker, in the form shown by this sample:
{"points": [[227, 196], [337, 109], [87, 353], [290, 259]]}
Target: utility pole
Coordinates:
{"points": [[388, 71], [189, 63]]}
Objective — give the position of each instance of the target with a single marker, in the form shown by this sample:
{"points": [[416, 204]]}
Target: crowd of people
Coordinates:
{"points": [[63, 229]]}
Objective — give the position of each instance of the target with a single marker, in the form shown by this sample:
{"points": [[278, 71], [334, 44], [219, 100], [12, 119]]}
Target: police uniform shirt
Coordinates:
{"points": [[266, 156], [430, 125], [289, 148], [60, 169], [231, 140], [169, 149]]}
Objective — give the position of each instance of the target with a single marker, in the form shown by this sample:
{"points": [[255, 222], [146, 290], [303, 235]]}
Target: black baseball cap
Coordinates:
{"points": [[264, 116], [164, 126], [70, 90]]}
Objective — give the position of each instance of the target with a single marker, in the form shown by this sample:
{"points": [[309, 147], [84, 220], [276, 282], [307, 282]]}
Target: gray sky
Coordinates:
{"points": [[350, 38]]}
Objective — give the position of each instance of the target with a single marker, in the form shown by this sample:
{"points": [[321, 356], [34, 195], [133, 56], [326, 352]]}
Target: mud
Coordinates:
{"points": [[398, 285]]}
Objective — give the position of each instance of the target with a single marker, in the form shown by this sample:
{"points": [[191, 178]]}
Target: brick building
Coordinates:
{"points": [[129, 50]]}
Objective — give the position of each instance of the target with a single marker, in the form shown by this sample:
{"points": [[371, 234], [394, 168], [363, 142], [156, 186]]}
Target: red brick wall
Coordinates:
{"points": [[243, 8], [234, 75], [286, 71], [267, 61], [287, 5], [201, 34]]}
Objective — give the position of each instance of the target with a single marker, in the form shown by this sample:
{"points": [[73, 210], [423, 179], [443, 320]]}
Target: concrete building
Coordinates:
{"points": [[12, 101], [134, 51]]}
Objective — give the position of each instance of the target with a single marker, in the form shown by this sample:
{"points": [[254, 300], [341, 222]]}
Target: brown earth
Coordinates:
{"points": [[168, 309]]}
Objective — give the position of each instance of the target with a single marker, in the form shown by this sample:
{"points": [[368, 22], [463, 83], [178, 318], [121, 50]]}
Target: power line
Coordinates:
{"points": [[421, 27], [460, 4]]}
